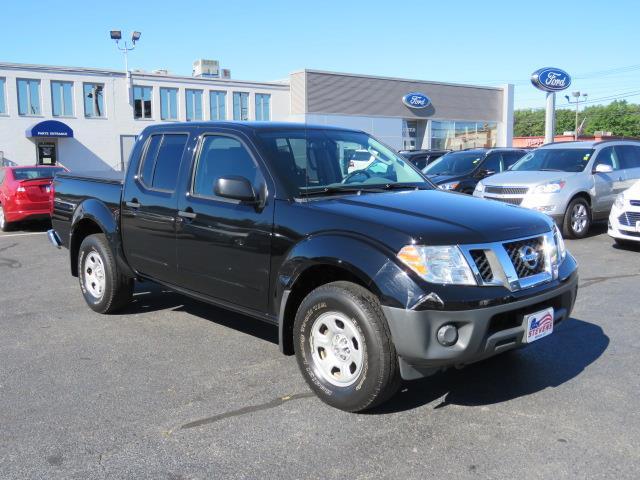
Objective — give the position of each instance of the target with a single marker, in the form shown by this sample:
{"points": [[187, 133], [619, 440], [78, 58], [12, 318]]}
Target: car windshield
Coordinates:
{"points": [[455, 163], [324, 161], [35, 173], [554, 159]]}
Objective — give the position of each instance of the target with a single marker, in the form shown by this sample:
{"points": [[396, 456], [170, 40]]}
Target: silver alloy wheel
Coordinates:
{"points": [[93, 274], [579, 217], [337, 348], [2, 219]]}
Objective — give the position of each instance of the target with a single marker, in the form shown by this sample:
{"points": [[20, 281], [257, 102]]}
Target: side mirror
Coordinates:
{"points": [[603, 168], [236, 188]]}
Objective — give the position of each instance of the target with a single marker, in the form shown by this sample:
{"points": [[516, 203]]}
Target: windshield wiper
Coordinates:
{"points": [[330, 191]]}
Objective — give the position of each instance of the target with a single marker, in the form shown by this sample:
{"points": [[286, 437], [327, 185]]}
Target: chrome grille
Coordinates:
{"points": [[506, 190], [629, 218], [482, 262], [512, 201], [517, 251]]}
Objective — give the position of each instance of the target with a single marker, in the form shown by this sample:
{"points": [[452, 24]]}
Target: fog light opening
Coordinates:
{"points": [[447, 335]]}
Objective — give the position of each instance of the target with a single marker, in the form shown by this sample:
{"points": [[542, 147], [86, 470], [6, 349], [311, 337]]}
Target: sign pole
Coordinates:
{"points": [[550, 118]]}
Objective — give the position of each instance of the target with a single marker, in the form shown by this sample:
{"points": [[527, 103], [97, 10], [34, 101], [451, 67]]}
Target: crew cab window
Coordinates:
{"points": [[609, 156], [629, 156], [222, 157], [162, 161]]}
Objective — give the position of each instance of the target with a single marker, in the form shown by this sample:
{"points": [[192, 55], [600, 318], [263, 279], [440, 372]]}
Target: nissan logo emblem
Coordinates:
{"points": [[529, 256]]}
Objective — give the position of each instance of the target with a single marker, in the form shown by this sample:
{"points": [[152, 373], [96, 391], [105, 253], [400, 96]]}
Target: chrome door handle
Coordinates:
{"points": [[132, 204], [185, 214]]}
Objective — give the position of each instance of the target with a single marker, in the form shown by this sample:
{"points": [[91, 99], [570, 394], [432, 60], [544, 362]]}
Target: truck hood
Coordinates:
{"points": [[433, 217], [526, 178]]}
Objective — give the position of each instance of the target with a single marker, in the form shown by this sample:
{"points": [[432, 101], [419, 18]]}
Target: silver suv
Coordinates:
{"points": [[575, 183]]}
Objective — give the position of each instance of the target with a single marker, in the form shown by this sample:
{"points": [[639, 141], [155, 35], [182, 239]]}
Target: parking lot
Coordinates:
{"points": [[176, 389]]}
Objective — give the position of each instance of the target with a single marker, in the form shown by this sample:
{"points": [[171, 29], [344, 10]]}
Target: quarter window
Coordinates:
{"points": [[263, 106], [169, 103], [220, 157], [93, 94], [62, 99], [194, 105], [217, 105], [3, 102], [162, 161], [240, 106], [630, 156], [142, 102], [28, 97]]}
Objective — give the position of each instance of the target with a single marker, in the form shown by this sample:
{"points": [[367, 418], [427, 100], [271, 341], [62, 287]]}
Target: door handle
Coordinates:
{"points": [[133, 203], [187, 214]]}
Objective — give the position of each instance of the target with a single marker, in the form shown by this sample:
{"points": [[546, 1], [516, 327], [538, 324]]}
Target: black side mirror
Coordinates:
{"points": [[236, 188]]}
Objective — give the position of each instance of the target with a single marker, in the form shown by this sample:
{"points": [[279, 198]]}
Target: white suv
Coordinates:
{"points": [[624, 220]]}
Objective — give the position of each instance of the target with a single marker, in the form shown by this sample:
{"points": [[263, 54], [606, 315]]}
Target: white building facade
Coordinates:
{"points": [[88, 119]]}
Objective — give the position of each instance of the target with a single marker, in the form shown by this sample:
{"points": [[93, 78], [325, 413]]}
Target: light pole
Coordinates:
{"points": [[576, 95], [117, 36]]}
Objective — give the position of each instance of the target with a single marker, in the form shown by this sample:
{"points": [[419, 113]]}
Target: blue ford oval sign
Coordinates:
{"points": [[416, 100], [551, 79]]}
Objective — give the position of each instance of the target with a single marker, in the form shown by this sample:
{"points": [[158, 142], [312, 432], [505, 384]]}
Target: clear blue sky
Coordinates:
{"points": [[482, 42]]}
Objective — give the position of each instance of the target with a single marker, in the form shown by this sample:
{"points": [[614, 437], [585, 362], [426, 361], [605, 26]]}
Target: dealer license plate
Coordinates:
{"points": [[539, 324]]}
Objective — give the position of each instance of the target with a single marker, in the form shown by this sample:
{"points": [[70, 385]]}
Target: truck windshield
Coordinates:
{"points": [[554, 159], [330, 161], [34, 173], [455, 163]]}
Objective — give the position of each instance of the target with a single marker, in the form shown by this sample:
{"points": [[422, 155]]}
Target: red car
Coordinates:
{"points": [[26, 193]]}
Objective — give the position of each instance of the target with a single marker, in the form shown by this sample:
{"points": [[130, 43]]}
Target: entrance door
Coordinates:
{"points": [[47, 154]]}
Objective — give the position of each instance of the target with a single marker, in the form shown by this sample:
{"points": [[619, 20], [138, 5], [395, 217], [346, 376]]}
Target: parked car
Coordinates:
{"points": [[422, 158], [624, 219], [575, 183], [25, 194], [460, 171], [369, 277]]}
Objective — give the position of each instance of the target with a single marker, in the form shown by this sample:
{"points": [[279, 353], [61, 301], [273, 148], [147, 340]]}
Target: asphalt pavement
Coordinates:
{"points": [[177, 389]]}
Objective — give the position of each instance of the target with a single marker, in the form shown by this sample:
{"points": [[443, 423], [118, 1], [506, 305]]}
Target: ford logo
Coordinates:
{"points": [[416, 100], [550, 79]]}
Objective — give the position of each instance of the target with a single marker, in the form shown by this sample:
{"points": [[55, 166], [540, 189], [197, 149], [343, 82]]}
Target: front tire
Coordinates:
{"points": [[104, 287], [577, 219], [344, 348]]}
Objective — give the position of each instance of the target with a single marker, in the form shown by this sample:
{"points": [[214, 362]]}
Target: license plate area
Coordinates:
{"points": [[538, 325]]}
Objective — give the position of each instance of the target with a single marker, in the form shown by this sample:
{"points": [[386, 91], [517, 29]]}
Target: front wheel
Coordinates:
{"points": [[104, 287], [344, 348], [577, 219]]}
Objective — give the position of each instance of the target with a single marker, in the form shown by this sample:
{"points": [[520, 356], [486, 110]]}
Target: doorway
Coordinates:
{"points": [[47, 153]]}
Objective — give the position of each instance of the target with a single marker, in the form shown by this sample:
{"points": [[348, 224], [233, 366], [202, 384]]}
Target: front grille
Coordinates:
{"points": [[482, 262], [629, 218], [517, 252], [506, 190], [512, 201], [635, 203]]}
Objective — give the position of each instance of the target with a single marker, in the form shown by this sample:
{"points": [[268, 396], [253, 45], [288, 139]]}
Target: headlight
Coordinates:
{"points": [[562, 250], [551, 187], [619, 203], [480, 187], [442, 264], [449, 186]]}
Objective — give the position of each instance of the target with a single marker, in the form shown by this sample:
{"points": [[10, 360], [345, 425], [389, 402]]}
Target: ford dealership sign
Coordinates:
{"points": [[550, 79], [416, 100]]}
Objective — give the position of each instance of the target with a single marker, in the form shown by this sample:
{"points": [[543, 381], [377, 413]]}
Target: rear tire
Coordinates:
{"points": [[344, 348], [104, 287], [577, 219], [4, 225]]}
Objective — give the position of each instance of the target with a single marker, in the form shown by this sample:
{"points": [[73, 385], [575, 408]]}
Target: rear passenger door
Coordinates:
{"points": [[149, 206], [224, 245]]}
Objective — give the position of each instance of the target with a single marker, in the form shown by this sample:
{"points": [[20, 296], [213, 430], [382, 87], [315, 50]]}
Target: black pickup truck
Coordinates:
{"points": [[371, 276]]}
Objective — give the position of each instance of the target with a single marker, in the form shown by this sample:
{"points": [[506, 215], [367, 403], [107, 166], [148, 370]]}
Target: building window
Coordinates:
{"points": [[450, 135], [3, 102], [217, 105], [28, 97], [142, 102], [169, 103], [263, 106], [62, 99], [93, 94], [240, 106], [194, 104]]}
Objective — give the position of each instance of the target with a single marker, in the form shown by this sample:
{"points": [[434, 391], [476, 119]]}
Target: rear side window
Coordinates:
{"points": [[609, 156], [162, 161], [629, 156], [222, 157]]}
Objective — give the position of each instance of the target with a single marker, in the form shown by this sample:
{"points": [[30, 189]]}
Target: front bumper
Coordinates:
{"points": [[628, 231], [482, 332]]}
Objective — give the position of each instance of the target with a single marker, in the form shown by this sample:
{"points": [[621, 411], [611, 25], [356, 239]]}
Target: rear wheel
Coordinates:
{"points": [[4, 225], [104, 287], [577, 219], [344, 347]]}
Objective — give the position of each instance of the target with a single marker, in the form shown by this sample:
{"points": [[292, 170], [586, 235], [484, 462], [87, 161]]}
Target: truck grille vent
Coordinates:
{"points": [[629, 218], [527, 256], [506, 190], [481, 261]]}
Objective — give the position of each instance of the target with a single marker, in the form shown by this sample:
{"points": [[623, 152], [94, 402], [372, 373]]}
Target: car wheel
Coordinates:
{"points": [[104, 287], [344, 348], [577, 219], [4, 225]]}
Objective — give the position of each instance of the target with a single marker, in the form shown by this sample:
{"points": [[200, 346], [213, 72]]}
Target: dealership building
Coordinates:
{"points": [[87, 118]]}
